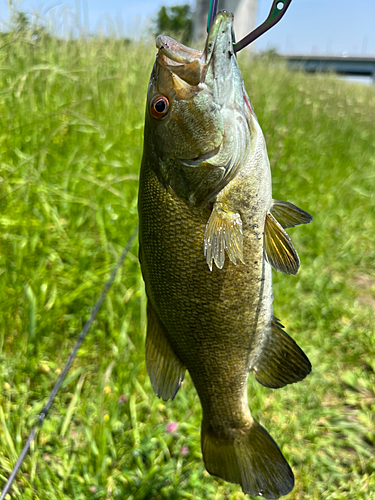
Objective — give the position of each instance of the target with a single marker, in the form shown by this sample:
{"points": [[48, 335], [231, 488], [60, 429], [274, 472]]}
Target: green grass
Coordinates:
{"points": [[71, 145]]}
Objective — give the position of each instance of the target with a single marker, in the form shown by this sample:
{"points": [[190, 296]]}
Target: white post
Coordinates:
{"points": [[200, 20], [244, 11]]}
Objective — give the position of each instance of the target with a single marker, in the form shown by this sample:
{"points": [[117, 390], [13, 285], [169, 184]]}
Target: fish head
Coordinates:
{"points": [[193, 102]]}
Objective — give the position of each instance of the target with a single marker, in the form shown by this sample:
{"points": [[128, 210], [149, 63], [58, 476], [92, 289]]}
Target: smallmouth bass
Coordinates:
{"points": [[209, 233]]}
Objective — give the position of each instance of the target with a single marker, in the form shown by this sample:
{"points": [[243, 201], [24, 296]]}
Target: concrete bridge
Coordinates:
{"points": [[343, 65]]}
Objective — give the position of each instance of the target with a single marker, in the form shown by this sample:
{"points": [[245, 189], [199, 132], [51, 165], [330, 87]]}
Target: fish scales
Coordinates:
{"points": [[209, 234], [195, 304]]}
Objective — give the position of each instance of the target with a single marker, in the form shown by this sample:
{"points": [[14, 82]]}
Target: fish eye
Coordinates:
{"points": [[159, 106]]}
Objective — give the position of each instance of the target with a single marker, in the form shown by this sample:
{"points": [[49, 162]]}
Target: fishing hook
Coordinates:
{"points": [[278, 9]]}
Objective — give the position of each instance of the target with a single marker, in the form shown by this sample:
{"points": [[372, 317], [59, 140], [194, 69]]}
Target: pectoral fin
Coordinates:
{"points": [[165, 370], [288, 215], [279, 250], [281, 361], [223, 233]]}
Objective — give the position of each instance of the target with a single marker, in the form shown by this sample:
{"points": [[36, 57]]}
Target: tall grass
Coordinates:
{"points": [[70, 146]]}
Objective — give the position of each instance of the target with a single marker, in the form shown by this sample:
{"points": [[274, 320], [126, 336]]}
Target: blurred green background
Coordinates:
{"points": [[72, 114]]}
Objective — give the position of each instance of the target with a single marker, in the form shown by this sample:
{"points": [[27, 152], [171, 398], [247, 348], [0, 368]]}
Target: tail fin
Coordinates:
{"points": [[252, 460]]}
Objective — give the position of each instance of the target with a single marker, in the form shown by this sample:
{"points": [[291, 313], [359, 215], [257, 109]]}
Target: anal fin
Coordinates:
{"points": [[288, 215], [223, 233], [279, 250], [251, 459], [281, 361], [165, 370]]}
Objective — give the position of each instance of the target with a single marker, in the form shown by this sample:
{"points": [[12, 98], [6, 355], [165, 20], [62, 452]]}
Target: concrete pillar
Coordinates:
{"points": [[244, 11]]}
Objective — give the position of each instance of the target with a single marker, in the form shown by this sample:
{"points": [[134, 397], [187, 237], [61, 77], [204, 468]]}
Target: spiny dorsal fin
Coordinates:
{"points": [[288, 215], [165, 370], [279, 250], [281, 361], [223, 232]]}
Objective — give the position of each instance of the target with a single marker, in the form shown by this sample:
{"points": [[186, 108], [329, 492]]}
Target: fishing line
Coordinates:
{"points": [[211, 13], [81, 338]]}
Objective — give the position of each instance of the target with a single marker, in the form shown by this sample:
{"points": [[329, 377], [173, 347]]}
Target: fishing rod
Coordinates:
{"points": [[81, 337], [278, 9]]}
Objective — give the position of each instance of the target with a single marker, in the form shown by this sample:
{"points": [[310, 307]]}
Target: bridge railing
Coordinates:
{"points": [[356, 66]]}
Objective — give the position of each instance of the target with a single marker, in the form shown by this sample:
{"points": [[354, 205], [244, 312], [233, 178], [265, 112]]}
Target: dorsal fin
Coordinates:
{"points": [[278, 248], [288, 215], [281, 361]]}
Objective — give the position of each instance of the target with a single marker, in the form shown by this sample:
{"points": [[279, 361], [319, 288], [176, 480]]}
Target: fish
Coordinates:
{"points": [[209, 235]]}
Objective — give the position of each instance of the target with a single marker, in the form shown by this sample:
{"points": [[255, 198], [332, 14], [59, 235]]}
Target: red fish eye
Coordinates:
{"points": [[159, 106]]}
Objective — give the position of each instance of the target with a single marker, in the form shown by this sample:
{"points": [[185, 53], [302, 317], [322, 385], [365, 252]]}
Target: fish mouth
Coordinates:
{"points": [[220, 39], [191, 65], [175, 52]]}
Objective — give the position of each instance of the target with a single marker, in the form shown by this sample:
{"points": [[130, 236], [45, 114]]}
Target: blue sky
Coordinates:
{"points": [[309, 26]]}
